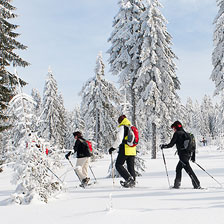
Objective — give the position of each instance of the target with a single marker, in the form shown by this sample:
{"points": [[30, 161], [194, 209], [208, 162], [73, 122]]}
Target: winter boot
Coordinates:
{"points": [[197, 187], [87, 180], [84, 182], [129, 183], [176, 185]]}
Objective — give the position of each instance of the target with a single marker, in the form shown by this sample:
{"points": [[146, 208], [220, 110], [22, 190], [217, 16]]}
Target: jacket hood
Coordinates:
{"points": [[125, 122]]}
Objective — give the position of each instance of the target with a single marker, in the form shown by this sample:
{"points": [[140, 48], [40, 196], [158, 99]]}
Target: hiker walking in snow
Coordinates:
{"points": [[184, 156], [204, 141], [83, 157], [126, 153]]}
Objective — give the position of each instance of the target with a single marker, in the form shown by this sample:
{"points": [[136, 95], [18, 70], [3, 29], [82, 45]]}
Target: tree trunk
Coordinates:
{"points": [[133, 98], [153, 140], [97, 129]]}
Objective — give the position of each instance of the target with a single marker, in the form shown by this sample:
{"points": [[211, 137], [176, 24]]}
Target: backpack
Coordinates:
{"points": [[189, 143], [133, 136], [90, 146], [87, 146]]}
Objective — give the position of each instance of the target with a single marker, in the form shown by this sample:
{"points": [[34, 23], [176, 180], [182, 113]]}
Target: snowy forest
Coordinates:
{"points": [[36, 129]]}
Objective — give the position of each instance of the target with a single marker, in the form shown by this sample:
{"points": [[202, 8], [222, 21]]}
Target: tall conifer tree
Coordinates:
{"points": [[141, 54], [217, 56], [124, 53], [50, 121], [8, 57], [99, 108]]}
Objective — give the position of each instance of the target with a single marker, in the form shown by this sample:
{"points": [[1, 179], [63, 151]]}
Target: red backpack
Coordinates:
{"points": [[90, 146], [133, 137], [87, 145]]}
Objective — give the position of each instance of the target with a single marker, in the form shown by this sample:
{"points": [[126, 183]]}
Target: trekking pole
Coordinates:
{"points": [[74, 169], [164, 160], [54, 174], [208, 174], [92, 173], [112, 166]]}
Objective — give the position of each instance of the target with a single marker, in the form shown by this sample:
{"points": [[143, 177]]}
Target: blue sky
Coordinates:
{"points": [[67, 35]]}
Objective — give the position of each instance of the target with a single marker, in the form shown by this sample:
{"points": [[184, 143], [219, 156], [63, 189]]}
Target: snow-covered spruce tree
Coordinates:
{"points": [[99, 108], [217, 56], [74, 122], [156, 80], [34, 171], [126, 41], [219, 125], [218, 119], [208, 119], [189, 115], [197, 118], [37, 98], [69, 120], [36, 110], [21, 111], [8, 57], [62, 122], [220, 114], [50, 128]]}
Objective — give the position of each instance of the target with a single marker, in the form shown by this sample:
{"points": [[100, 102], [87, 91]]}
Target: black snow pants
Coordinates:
{"points": [[130, 160], [184, 163]]}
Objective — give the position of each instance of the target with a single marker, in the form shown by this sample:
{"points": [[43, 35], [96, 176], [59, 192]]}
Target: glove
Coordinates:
{"points": [[111, 150], [67, 155], [162, 146], [193, 159]]}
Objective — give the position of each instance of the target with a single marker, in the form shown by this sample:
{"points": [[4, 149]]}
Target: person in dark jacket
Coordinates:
{"points": [[83, 157], [178, 138], [126, 153]]}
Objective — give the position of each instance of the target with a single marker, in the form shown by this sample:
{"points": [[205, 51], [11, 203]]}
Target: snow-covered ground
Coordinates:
{"points": [[151, 201]]}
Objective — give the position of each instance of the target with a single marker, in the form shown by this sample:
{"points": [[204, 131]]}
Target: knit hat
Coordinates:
{"points": [[176, 125], [77, 133], [121, 118]]}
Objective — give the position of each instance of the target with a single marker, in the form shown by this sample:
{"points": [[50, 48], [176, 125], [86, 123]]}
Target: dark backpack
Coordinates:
{"points": [[189, 143], [133, 136]]}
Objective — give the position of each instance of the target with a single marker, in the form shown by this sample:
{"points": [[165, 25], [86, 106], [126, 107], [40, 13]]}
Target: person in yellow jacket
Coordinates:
{"points": [[126, 153]]}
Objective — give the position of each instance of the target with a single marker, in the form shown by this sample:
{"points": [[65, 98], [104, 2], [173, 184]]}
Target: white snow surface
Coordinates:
{"points": [[151, 201]]}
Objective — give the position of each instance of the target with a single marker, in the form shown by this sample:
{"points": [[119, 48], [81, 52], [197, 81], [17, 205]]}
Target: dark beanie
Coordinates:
{"points": [[77, 133], [121, 118], [176, 125]]}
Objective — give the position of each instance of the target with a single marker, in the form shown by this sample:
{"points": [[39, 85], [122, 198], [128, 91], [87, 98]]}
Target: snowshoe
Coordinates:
{"points": [[199, 187], [128, 184], [85, 182]]}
